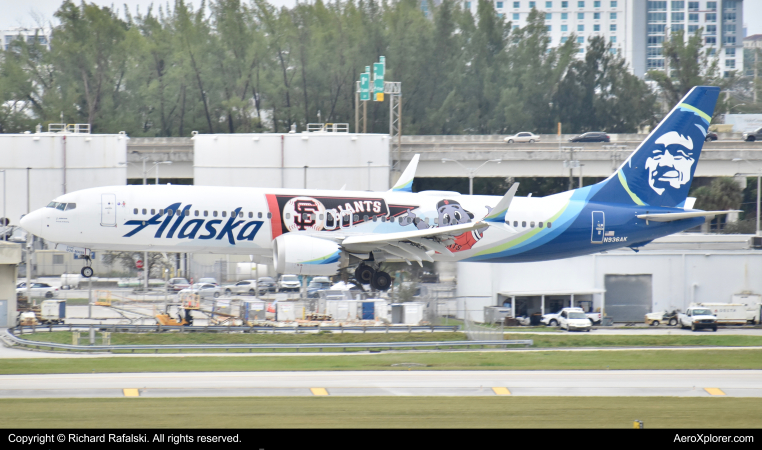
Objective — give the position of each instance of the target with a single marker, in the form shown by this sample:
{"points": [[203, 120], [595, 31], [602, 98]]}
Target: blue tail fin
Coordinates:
{"points": [[660, 171]]}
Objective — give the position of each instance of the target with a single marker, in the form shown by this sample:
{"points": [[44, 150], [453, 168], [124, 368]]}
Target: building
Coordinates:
{"points": [[637, 28], [42, 35]]}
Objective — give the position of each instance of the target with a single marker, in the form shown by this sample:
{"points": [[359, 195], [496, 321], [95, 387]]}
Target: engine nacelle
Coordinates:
{"points": [[307, 255]]}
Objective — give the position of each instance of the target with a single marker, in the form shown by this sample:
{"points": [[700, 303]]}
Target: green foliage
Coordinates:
{"points": [[238, 66], [722, 194]]}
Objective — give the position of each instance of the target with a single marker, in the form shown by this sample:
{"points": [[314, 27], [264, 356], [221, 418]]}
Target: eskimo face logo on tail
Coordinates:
{"points": [[172, 218], [670, 164]]}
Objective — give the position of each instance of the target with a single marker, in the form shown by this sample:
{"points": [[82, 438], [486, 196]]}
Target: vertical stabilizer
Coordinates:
{"points": [[660, 171], [405, 183]]}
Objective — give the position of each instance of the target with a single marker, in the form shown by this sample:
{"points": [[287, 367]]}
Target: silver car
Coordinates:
{"points": [[245, 287], [204, 290], [524, 136]]}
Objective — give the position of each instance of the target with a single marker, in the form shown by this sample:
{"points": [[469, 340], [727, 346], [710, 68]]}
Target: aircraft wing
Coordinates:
{"points": [[670, 217], [442, 232]]}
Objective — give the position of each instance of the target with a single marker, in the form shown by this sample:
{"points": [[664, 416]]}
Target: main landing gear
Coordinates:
{"points": [[87, 271], [378, 280]]}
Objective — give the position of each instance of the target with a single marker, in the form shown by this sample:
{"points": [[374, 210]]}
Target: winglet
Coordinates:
{"points": [[498, 212], [405, 182]]}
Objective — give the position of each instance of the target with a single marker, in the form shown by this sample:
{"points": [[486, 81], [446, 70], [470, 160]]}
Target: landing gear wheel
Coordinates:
{"points": [[364, 274], [87, 272], [381, 281]]}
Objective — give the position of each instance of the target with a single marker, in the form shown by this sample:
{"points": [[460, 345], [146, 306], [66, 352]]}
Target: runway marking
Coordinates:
{"points": [[501, 391], [714, 391], [318, 391], [131, 392]]}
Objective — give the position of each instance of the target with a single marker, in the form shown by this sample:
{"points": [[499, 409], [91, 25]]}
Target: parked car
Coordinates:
{"points": [[317, 284], [697, 318], [591, 136], [524, 136], [268, 283], [250, 287], [711, 136], [752, 136], [38, 290], [289, 283], [204, 290], [574, 320], [209, 280], [177, 284]]}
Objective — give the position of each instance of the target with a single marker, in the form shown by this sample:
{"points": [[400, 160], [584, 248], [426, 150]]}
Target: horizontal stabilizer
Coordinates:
{"points": [[671, 217]]}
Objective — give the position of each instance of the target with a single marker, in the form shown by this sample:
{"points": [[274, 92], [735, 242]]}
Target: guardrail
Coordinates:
{"points": [[446, 345], [232, 328]]}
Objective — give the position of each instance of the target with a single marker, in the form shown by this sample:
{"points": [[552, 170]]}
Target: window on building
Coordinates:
{"points": [[516, 4], [710, 40], [730, 29], [612, 16], [564, 4], [677, 27], [531, 4], [728, 40], [678, 17], [549, 29], [613, 5], [515, 16], [580, 16], [730, 63], [564, 39], [596, 16], [564, 28], [692, 28], [548, 16], [612, 27], [711, 6], [596, 27], [655, 40], [693, 17], [596, 4], [581, 4], [729, 17], [580, 28], [730, 52], [564, 16], [581, 40], [655, 28], [657, 6], [693, 6], [499, 5], [679, 5], [711, 17], [468, 5], [711, 30], [548, 4], [613, 39], [729, 5]]}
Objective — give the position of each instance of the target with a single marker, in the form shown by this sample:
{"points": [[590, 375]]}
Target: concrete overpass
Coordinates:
{"points": [[543, 159]]}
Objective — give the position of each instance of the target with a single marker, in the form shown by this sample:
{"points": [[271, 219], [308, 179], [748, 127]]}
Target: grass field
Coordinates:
{"points": [[383, 412], [498, 360], [540, 340]]}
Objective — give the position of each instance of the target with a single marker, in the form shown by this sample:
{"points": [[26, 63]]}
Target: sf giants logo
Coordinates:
{"points": [[304, 213]]}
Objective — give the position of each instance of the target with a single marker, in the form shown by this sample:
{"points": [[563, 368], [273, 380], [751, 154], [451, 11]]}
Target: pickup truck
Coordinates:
{"points": [[552, 319], [697, 318]]}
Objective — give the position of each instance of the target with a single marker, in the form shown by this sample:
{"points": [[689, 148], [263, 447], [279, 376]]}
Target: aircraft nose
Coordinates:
{"points": [[32, 222]]}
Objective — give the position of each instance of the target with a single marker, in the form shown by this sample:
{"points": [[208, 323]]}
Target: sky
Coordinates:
{"points": [[20, 13]]}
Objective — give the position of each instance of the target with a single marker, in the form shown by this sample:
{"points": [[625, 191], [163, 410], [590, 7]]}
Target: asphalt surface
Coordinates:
{"points": [[671, 383]]}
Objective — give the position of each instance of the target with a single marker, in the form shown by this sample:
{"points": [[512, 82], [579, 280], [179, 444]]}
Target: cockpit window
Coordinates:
{"points": [[61, 206], [52, 205], [70, 206]]}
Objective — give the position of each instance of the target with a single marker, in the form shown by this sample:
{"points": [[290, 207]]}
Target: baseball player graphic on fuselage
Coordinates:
{"points": [[450, 212]]}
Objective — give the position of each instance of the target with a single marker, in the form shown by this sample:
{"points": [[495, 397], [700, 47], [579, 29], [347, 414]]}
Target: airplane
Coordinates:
{"points": [[319, 232]]}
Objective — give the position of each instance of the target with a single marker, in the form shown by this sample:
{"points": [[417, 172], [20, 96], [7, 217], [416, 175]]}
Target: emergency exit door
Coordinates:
{"points": [[599, 227], [108, 210]]}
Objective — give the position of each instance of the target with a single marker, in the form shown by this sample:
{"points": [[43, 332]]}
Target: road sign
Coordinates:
{"points": [[139, 264], [364, 87], [571, 164], [378, 80]]}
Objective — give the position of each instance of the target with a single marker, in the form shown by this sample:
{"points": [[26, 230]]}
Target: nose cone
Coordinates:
{"points": [[32, 222]]}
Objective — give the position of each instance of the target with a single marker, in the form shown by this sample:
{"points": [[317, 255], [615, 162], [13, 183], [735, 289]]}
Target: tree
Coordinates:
{"points": [[721, 195]]}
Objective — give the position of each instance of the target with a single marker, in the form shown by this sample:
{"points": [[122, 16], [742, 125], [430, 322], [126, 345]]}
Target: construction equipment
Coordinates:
{"points": [[182, 316]]}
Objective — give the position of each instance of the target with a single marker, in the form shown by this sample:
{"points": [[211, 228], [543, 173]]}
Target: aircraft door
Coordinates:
{"points": [[108, 210], [599, 227]]}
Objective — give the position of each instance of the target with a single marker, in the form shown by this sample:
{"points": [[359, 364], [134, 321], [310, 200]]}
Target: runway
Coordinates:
{"points": [[662, 383]]}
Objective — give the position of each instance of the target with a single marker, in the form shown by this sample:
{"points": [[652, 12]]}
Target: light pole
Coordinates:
{"points": [[157, 169], [734, 106], [5, 217], [471, 171], [759, 178]]}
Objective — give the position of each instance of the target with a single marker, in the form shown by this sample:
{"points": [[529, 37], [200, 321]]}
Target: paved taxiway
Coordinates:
{"points": [[677, 383]]}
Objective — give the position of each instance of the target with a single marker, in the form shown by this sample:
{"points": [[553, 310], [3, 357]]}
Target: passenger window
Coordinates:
{"points": [[135, 211], [206, 213], [288, 215], [251, 214], [269, 215], [365, 218], [321, 217], [259, 215], [524, 224], [540, 224], [153, 211], [195, 213], [357, 218], [214, 213], [187, 212], [144, 211], [549, 224], [224, 213], [531, 224], [516, 223], [161, 212], [391, 219], [329, 221], [383, 218], [375, 218]]}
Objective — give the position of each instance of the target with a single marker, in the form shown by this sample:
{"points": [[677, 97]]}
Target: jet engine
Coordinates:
{"points": [[307, 255]]}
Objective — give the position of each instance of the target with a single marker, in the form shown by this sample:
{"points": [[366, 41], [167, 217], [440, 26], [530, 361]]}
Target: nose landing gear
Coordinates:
{"points": [[87, 271]]}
